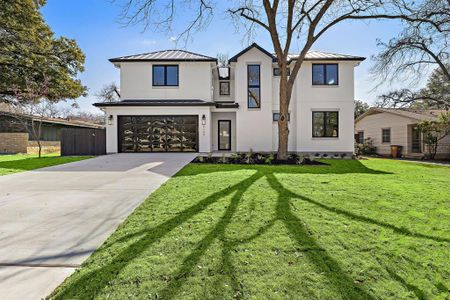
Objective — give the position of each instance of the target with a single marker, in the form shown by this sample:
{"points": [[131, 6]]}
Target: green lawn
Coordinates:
{"points": [[370, 229], [22, 162]]}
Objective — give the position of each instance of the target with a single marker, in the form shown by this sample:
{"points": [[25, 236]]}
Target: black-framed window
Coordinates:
{"points": [[359, 137], [325, 124], [386, 135], [325, 74], [276, 71], [165, 75], [254, 86], [276, 116], [224, 88]]}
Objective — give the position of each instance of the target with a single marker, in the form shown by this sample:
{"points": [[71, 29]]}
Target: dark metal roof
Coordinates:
{"points": [[156, 102], [166, 55], [227, 105], [311, 55], [167, 102]]}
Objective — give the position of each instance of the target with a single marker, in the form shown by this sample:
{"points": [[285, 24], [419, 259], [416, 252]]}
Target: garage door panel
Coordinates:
{"points": [[158, 133]]}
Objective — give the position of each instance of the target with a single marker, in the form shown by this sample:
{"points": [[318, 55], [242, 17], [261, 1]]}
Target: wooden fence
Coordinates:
{"points": [[83, 141]]}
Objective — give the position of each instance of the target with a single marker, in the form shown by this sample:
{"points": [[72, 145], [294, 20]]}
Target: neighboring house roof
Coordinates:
{"points": [[164, 102], [419, 115], [311, 55], [59, 121], [165, 55]]}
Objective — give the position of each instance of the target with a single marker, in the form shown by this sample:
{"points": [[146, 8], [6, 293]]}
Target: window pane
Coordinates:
{"points": [[253, 97], [332, 74], [318, 124], [253, 75], [224, 88], [158, 75], [172, 75], [318, 74], [332, 124], [276, 71], [386, 136]]}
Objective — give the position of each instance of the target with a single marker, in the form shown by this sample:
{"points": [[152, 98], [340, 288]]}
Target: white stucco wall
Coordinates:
{"points": [[203, 130], [254, 125], [195, 81], [216, 116]]}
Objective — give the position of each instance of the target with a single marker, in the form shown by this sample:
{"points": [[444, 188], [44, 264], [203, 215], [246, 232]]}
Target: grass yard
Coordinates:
{"points": [[22, 162], [370, 229]]}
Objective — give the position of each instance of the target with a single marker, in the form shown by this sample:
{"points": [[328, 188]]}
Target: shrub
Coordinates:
{"points": [[366, 148]]}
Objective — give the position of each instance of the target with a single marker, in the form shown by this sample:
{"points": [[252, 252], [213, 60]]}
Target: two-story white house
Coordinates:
{"points": [[176, 100]]}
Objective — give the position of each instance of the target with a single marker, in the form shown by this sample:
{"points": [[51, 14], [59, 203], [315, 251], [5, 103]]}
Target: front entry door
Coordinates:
{"points": [[224, 136]]}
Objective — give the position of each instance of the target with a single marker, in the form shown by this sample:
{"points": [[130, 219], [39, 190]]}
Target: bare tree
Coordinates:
{"points": [[30, 107], [303, 20], [419, 47], [109, 93]]}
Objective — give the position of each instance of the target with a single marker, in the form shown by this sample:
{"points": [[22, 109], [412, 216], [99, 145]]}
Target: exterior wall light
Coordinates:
{"points": [[203, 120], [110, 119]]}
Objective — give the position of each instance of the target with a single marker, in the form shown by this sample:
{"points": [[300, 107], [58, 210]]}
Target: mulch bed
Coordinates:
{"points": [[257, 159]]}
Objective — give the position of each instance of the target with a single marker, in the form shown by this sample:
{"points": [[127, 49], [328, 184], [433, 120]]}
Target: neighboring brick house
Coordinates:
{"points": [[395, 126], [14, 137]]}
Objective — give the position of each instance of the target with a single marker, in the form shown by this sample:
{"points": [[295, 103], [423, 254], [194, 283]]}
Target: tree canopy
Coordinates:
{"points": [[30, 54]]}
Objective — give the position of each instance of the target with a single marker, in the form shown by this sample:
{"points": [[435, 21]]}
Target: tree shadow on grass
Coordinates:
{"points": [[91, 284], [351, 166]]}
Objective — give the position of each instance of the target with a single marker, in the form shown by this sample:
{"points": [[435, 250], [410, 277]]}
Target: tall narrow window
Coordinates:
{"points": [[325, 74], [254, 86], [224, 88], [386, 135], [165, 75], [325, 124]]}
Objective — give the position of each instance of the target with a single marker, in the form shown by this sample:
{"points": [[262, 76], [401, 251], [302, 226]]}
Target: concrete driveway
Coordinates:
{"points": [[52, 219]]}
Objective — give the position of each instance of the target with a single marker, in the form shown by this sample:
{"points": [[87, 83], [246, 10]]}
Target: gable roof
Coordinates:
{"points": [[165, 55], [417, 114], [254, 45], [311, 55]]}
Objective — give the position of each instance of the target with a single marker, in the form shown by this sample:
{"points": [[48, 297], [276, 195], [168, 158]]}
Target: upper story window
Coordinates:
{"points": [[325, 74], [325, 124], [165, 75], [276, 116], [276, 71], [254, 86], [224, 88], [386, 135]]}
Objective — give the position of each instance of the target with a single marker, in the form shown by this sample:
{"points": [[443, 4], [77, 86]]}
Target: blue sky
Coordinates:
{"points": [[95, 25]]}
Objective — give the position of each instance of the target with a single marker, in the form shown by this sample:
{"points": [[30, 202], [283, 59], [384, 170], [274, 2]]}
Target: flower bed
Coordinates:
{"points": [[257, 159]]}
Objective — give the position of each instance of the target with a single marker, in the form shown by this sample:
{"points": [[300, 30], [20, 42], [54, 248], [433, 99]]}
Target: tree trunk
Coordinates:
{"points": [[283, 128], [39, 148]]}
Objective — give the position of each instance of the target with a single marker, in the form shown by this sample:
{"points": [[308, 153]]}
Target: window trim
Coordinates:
{"points": [[278, 113], [273, 71], [324, 124], [382, 135], [165, 76], [218, 135], [358, 134], [325, 74], [253, 86], [220, 88]]}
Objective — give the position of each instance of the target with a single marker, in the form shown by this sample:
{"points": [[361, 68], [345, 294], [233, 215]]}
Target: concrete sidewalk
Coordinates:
{"points": [[52, 219]]}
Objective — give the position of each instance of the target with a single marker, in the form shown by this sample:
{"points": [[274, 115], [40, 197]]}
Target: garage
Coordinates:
{"points": [[158, 133]]}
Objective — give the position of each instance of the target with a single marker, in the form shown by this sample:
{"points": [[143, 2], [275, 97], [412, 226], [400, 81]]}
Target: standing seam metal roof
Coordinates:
{"points": [[166, 55]]}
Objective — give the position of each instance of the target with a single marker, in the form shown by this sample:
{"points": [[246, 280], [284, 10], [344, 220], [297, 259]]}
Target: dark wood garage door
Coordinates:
{"points": [[158, 133]]}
